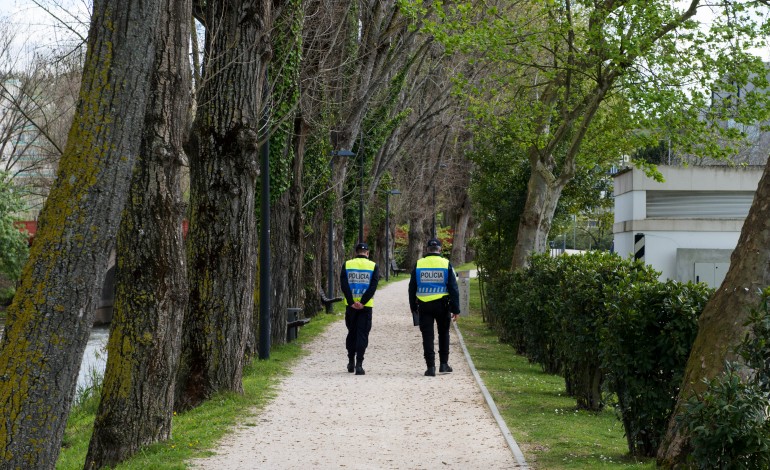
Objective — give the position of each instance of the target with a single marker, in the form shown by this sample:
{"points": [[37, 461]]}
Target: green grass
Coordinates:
{"points": [[466, 266], [542, 419], [196, 432], [544, 422]]}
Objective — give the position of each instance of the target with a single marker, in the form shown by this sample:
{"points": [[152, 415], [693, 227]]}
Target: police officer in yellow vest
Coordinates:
{"points": [[358, 281], [434, 295]]}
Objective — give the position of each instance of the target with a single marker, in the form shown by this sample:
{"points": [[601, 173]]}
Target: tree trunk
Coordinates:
{"points": [[280, 249], [296, 294], [461, 229], [286, 214], [417, 240], [288, 255], [583, 380], [50, 319], [543, 193], [377, 233], [138, 392], [721, 326], [223, 171]]}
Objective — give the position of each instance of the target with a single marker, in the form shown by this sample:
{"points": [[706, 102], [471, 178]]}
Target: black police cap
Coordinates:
{"points": [[362, 246], [434, 242]]}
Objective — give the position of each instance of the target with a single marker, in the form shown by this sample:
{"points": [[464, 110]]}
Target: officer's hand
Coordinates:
{"points": [[357, 305], [454, 316]]}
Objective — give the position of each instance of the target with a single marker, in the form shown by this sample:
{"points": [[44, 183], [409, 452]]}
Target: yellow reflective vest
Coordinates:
{"points": [[432, 273], [359, 272]]}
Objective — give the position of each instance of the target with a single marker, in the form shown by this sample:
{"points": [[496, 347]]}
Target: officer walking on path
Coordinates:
{"points": [[433, 294], [358, 281]]}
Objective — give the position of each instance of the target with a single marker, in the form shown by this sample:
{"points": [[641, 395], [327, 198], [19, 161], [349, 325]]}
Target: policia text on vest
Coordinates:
{"points": [[434, 297]]}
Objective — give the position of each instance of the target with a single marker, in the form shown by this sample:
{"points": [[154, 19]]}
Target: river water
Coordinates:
{"points": [[94, 359]]}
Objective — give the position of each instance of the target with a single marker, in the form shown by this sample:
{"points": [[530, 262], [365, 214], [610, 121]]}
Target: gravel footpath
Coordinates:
{"points": [[391, 418]]}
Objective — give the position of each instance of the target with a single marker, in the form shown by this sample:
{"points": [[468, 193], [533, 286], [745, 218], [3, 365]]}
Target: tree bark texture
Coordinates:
{"points": [[418, 236], [145, 336], [50, 319], [288, 253], [224, 165], [543, 193], [721, 326], [460, 239], [280, 264]]}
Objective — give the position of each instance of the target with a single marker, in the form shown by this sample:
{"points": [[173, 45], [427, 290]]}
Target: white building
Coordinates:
{"points": [[687, 225]]}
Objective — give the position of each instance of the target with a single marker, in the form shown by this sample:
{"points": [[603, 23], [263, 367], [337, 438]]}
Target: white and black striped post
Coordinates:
{"points": [[639, 246]]}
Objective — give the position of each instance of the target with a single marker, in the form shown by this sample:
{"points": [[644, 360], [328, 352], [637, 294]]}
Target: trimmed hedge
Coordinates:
{"points": [[609, 327], [645, 344]]}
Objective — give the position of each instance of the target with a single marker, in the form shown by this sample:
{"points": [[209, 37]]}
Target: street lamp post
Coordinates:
{"points": [[330, 274], [387, 231]]}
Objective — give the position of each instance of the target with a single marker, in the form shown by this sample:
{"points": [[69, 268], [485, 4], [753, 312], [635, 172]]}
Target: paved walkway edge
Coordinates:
{"points": [[491, 403]]}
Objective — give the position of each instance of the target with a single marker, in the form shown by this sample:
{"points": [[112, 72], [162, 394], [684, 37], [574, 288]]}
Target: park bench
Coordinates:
{"points": [[327, 302], [395, 269], [293, 323]]}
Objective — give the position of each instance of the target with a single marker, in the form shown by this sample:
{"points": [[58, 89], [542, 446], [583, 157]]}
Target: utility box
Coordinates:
{"points": [[464, 286], [711, 273]]}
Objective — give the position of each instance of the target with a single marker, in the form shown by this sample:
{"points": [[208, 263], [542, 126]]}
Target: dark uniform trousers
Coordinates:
{"points": [[437, 310], [359, 323]]}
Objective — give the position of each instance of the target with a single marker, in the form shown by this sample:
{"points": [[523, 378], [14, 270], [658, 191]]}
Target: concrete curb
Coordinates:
{"points": [[492, 407]]}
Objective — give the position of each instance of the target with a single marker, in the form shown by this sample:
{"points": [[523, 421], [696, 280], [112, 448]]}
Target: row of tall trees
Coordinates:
{"points": [[573, 85], [542, 96], [306, 78]]}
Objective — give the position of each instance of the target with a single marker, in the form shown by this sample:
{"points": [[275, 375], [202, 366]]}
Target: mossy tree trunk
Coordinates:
{"points": [[145, 335], [224, 165], [51, 317], [721, 326]]}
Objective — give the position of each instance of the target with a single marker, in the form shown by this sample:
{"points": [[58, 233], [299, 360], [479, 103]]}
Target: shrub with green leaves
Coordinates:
{"points": [[584, 281], [540, 310], [6, 296], [502, 312], [524, 309], [13, 243], [728, 425], [645, 343]]}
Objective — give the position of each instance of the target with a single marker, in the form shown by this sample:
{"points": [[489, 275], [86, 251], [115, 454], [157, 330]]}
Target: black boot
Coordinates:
{"points": [[359, 367], [351, 365], [444, 367], [431, 372]]}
